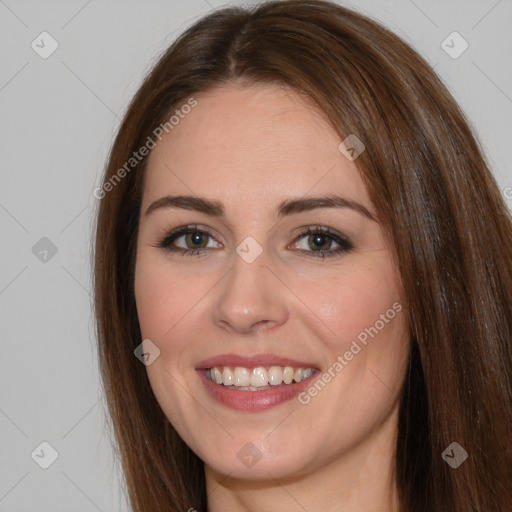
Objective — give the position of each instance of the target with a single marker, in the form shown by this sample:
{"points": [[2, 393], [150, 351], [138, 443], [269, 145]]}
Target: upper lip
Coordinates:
{"points": [[252, 361]]}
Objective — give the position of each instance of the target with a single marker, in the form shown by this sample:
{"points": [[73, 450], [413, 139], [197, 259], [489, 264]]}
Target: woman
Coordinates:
{"points": [[340, 338]]}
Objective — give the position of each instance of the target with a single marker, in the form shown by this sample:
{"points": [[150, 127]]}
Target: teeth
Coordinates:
{"points": [[288, 374], [217, 376], [257, 378], [227, 377], [275, 375], [241, 377], [307, 373]]}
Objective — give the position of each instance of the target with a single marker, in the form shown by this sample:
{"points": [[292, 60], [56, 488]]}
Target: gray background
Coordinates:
{"points": [[58, 116]]}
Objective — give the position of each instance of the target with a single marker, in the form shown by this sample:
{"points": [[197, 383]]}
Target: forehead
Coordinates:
{"points": [[259, 141]]}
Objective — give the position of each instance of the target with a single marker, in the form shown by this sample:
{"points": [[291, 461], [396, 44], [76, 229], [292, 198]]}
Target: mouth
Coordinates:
{"points": [[254, 383], [257, 379]]}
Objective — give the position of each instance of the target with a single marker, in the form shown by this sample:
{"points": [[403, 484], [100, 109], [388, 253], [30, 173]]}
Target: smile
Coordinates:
{"points": [[256, 379], [254, 382]]}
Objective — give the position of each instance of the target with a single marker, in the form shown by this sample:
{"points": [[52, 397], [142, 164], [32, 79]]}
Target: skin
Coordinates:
{"points": [[250, 148]]}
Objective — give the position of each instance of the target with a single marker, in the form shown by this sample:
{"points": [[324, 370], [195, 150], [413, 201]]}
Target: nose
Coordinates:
{"points": [[251, 298]]}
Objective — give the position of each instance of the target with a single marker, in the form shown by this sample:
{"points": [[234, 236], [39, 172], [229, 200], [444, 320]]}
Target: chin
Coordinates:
{"points": [[259, 461]]}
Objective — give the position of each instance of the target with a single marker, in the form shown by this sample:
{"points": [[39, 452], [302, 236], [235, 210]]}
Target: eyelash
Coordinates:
{"points": [[345, 245]]}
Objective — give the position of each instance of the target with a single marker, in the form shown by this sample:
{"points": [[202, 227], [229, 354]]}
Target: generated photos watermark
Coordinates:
{"points": [[343, 360], [137, 156]]}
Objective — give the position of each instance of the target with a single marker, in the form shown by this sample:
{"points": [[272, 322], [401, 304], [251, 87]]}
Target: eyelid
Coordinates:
{"points": [[345, 245], [183, 230], [342, 240], [299, 232]]}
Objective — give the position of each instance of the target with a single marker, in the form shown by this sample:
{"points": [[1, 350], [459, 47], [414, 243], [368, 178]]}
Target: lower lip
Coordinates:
{"points": [[253, 400]]}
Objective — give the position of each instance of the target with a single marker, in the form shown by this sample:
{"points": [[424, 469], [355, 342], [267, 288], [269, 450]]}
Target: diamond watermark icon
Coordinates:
{"points": [[44, 455], [351, 147], [44, 250], [328, 310], [44, 45], [249, 249], [249, 455], [454, 455], [454, 45], [147, 352]]}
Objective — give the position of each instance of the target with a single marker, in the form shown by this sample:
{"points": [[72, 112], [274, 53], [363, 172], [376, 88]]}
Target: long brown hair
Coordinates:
{"points": [[447, 224]]}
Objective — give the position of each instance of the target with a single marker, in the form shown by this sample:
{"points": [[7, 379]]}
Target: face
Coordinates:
{"points": [[255, 277]]}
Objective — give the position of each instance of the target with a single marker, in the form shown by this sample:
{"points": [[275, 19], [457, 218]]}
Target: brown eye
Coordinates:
{"points": [[196, 237], [318, 242], [195, 241]]}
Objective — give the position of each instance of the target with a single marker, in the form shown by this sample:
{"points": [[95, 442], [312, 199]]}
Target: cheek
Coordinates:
{"points": [[165, 303], [351, 304], [163, 297]]}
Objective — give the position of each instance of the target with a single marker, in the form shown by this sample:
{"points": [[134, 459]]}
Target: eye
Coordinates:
{"points": [[195, 240], [320, 239]]}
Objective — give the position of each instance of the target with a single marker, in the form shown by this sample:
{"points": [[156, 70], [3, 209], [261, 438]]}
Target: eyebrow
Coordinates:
{"points": [[287, 207]]}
